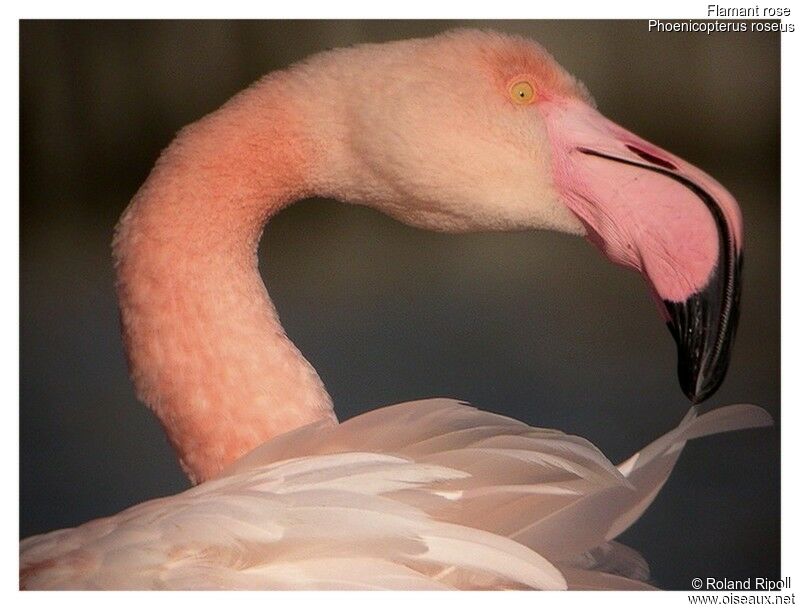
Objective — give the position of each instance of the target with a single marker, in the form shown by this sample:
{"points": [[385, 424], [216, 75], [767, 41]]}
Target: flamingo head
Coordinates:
{"points": [[481, 131]]}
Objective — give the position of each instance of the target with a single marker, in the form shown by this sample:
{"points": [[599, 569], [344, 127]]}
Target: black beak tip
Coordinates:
{"points": [[704, 328], [703, 355], [704, 339], [694, 384]]}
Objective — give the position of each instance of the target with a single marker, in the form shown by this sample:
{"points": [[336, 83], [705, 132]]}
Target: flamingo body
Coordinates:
{"points": [[465, 131], [432, 494]]}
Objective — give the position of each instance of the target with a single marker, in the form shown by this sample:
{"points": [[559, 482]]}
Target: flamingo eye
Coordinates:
{"points": [[521, 92]]}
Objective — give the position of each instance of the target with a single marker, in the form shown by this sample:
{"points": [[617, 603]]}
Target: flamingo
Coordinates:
{"points": [[465, 131]]}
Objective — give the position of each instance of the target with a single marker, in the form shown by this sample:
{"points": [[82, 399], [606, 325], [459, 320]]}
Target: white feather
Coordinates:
{"points": [[425, 495]]}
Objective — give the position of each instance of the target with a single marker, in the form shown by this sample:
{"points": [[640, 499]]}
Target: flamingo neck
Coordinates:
{"points": [[206, 349]]}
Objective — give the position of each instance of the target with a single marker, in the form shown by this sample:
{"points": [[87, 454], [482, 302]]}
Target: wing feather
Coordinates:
{"points": [[425, 495]]}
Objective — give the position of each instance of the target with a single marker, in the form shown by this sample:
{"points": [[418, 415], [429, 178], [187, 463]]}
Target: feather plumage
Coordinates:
{"points": [[432, 494]]}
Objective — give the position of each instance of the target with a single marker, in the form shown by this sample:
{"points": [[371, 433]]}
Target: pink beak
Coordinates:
{"points": [[654, 212]]}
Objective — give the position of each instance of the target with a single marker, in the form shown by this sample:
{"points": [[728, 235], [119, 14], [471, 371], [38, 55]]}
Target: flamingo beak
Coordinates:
{"points": [[650, 210]]}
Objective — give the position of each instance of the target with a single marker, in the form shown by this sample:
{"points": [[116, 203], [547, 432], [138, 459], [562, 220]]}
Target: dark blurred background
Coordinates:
{"points": [[536, 325]]}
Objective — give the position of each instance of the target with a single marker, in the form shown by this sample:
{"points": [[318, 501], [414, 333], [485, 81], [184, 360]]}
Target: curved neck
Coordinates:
{"points": [[206, 350]]}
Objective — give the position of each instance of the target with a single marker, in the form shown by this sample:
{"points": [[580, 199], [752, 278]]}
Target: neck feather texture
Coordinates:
{"points": [[205, 347]]}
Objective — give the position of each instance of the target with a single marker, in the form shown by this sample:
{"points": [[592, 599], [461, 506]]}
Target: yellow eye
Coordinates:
{"points": [[521, 92]]}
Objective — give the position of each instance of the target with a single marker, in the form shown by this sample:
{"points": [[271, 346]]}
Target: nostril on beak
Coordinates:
{"points": [[651, 158]]}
